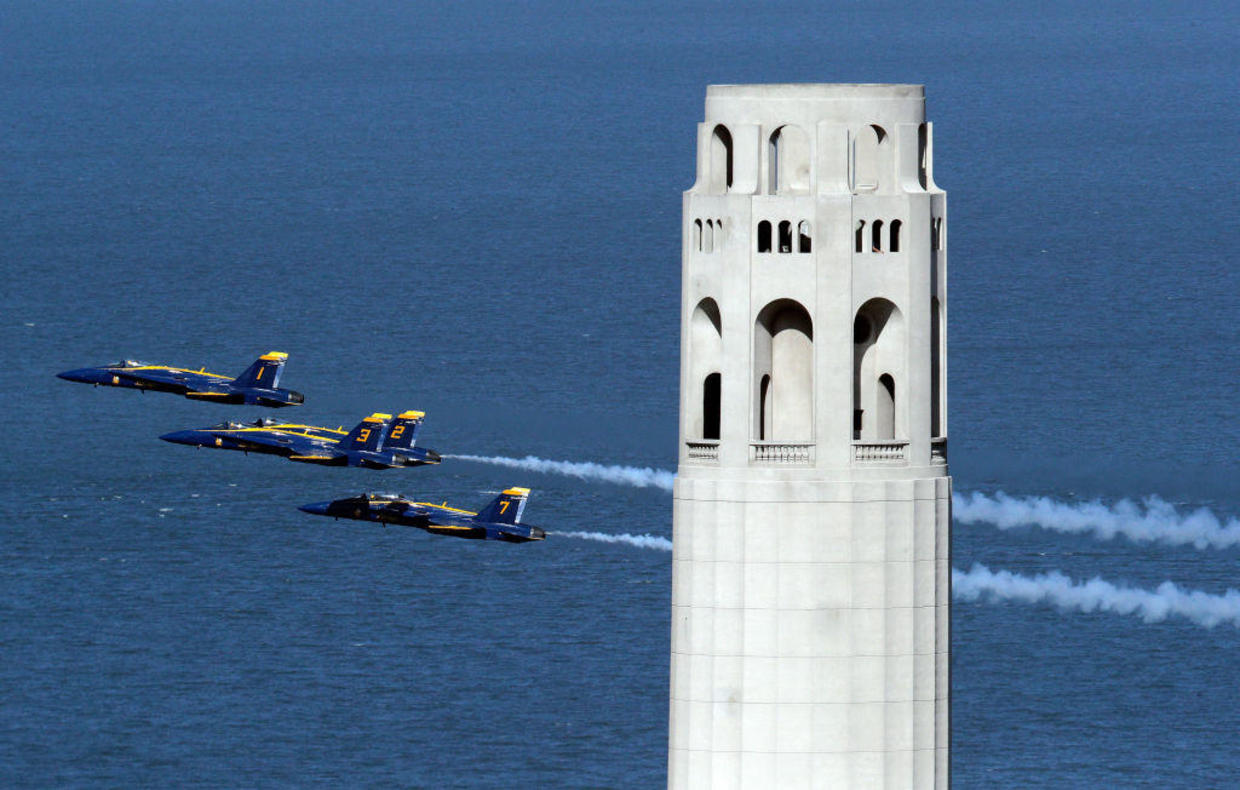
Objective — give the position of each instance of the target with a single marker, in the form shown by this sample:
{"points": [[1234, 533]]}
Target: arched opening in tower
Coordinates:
{"points": [[879, 365], [711, 391], [764, 236], [894, 234], [721, 159], [936, 368], [788, 161], [705, 363], [885, 407], [876, 234], [784, 373], [868, 150], [803, 237], [923, 156], [764, 406], [785, 236]]}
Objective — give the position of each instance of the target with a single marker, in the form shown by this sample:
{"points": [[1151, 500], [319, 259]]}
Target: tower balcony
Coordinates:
{"points": [[704, 450], [938, 450], [781, 452], [891, 451]]}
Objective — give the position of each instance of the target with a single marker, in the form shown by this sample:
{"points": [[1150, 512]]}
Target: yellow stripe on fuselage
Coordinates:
{"points": [[175, 370], [286, 425], [273, 430], [444, 507]]}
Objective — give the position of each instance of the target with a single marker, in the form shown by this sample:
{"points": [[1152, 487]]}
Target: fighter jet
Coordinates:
{"points": [[378, 442], [500, 520], [259, 385]]}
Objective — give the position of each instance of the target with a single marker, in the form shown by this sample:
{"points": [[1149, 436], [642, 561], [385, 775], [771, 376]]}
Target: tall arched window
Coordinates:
{"points": [[879, 366], [876, 236], [923, 156], [711, 392], [697, 235], [894, 233], [783, 373], [788, 161], [764, 406], [885, 407], [764, 236], [706, 365], [868, 151], [708, 237], [860, 236], [937, 384], [803, 236], [785, 236], [721, 159]]}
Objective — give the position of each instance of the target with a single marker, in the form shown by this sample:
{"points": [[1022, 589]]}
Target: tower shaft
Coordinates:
{"points": [[811, 559]]}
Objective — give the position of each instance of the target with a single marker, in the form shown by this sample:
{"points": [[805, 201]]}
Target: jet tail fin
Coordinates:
{"points": [[505, 508], [265, 372], [404, 432], [368, 434]]}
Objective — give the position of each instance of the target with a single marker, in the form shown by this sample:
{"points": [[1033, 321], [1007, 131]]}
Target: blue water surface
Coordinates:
{"points": [[474, 209]]}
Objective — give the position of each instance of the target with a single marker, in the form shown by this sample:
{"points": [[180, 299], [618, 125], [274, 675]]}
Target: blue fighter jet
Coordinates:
{"points": [[378, 442], [259, 385], [500, 520]]}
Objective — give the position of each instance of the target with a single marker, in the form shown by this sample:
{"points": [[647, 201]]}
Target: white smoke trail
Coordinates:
{"points": [[1152, 606], [640, 477], [641, 541], [1154, 520]]}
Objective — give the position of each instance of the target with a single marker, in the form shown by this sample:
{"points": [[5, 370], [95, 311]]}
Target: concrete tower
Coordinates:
{"points": [[810, 583]]}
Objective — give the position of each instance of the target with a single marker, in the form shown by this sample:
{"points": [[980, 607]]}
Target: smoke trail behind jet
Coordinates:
{"points": [[1152, 606], [1154, 520], [640, 477], [641, 541], [980, 583]]}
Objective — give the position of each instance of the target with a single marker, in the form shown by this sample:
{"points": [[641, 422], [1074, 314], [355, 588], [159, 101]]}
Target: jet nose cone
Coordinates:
{"points": [[316, 508], [182, 437], [83, 375]]}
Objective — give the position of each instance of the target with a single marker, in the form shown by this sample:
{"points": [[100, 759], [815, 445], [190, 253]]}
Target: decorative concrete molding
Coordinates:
{"points": [[880, 452], [703, 451], [781, 452]]}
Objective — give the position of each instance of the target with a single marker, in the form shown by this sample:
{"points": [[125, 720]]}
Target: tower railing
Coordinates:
{"points": [[781, 452], [891, 451], [704, 450], [938, 450]]}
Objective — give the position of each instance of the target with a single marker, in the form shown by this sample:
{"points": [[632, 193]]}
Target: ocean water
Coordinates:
{"points": [[474, 209]]}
